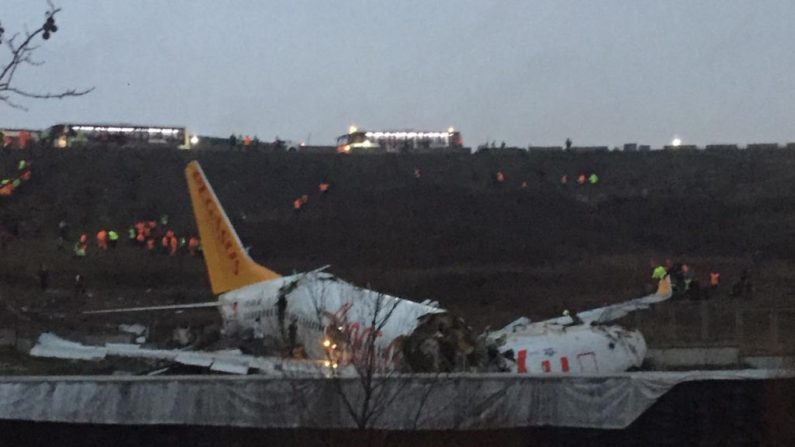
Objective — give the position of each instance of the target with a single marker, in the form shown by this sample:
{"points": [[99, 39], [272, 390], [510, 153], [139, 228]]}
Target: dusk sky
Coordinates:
{"points": [[527, 72]]}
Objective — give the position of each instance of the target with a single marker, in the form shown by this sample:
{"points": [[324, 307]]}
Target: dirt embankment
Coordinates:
{"points": [[489, 251]]}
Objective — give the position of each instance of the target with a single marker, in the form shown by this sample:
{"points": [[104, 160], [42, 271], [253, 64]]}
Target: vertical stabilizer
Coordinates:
{"points": [[228, 264]]}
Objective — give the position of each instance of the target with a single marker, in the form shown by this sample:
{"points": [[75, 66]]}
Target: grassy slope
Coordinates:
{"points": [[491, 253]]}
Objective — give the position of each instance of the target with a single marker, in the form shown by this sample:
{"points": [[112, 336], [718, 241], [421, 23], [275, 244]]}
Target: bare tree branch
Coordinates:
{"points": [[22, 54]]}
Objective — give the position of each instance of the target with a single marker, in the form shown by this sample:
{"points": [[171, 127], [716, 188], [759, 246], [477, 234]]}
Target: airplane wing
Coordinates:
{"points": [[232, 361], [599, 315], [616, 311]]}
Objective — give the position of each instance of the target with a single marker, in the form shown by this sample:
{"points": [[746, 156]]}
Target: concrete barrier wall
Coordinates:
{"points": [[411, 402]]}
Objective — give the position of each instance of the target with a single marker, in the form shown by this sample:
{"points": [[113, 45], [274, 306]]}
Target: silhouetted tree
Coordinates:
{"points": [[22, 48]]}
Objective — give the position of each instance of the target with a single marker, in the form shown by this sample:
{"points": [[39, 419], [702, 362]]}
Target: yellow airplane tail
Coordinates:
{"points": [[664, 287], [228, 264]]}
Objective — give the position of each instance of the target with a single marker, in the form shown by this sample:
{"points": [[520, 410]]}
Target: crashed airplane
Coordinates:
{"points": [[332, 324]]}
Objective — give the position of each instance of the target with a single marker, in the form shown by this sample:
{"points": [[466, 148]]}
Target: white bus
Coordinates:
{"points": [[400, 141], [67, 135]]}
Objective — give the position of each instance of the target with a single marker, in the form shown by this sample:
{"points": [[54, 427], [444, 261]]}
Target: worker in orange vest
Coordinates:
{"points": [[581, 179], [323, 187], [173, 244], [297, 204], [193, 245], [81, 246], [714, 280], [140, 232], [499, 177], [102, 240]]}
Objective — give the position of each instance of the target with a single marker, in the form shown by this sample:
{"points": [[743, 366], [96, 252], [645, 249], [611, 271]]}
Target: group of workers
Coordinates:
{"points": [[499, 178], [9, 184], [685, 284], [154, 236], [241, 142], [300, 202], [582, 179]]}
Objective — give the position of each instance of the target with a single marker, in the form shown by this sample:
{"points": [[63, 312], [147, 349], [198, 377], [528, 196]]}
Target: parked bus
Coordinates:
{"points": [[402, 141], [66, 135]]}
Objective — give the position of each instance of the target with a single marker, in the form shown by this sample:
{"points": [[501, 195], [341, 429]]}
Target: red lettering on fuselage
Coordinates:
{"points": [[521, 361]]}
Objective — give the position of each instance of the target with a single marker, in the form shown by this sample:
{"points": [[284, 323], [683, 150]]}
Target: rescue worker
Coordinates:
{"points": [[165, 243], [131, 233], [714, 281], [63, 229], [193, 245], [113, 238], [22, 165], [81, 246], [743, 287], [173, 244], [581, 179], [687, 275], [80, 285], [499, 177], [150, 246], [140, 236], [297, 204], [658, 273], [26, 175], [323, 187], [164, 220], [102, 240], [44, 276], [593, 179], [575, 319], [6, 189]]}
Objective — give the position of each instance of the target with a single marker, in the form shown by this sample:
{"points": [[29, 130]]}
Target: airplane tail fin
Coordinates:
{"points": [[664, 287], [228, 264]]}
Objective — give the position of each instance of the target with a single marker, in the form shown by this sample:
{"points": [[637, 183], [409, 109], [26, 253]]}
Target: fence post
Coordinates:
{"points": [[672, 323], [704, 310], [774, 328], [738, 325]]}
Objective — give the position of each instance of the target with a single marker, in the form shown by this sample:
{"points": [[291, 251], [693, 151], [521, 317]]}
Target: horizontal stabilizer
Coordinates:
{"points": [[148, 308]]}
